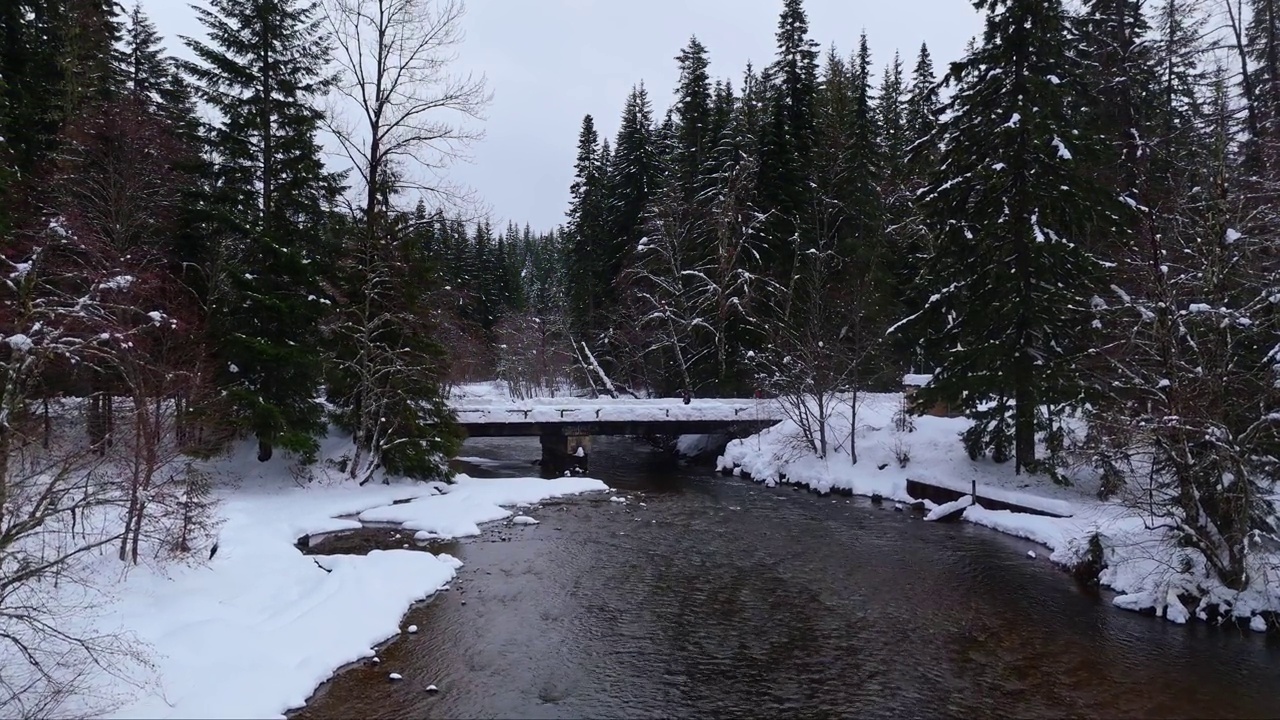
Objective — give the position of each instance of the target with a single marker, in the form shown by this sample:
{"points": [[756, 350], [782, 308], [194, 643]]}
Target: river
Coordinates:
{"points": [[717, 597]]}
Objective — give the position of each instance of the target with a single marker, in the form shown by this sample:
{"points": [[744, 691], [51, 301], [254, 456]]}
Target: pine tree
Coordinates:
{"points": [[262, 70], [1012, 206]]}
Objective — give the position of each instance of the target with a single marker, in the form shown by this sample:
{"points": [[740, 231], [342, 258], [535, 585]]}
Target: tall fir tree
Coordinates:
{"points": [[588, 285], [694, 123], [634, 174], [262, 70], [1012, 206], [787, 138]]}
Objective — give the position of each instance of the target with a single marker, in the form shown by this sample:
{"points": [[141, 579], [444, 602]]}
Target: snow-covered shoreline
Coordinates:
{"points": [[1137, 558], [252, 632]]}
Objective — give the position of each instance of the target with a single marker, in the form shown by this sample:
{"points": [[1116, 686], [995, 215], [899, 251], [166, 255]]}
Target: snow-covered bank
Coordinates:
{"points": [[1139, 559], [252, 632]]}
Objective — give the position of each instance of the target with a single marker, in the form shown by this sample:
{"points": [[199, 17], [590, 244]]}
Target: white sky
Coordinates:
{"points": [[549, 62]]}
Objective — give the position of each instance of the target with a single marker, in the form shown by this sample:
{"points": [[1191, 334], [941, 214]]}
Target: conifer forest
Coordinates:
{"points": [[1073, 231]]}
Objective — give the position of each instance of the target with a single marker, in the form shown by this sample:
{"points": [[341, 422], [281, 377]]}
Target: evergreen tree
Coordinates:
{"points": [[694, 122], [588, 285], [262, 70], [923, 103], [1012, 206], [634, 173], [788, 137]]}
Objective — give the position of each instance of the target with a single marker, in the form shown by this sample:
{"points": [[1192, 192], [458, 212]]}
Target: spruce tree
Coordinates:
{"points": [[787, 138], [923, 103], [634, 175], [1012, 206], [262, 71], [585, 253], [693, 115]]}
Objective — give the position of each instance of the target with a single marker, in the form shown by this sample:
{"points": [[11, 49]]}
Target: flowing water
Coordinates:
{"points": [[721, 598]]}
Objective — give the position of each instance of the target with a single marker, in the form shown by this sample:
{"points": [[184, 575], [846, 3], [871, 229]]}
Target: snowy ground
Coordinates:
{"points": [[1141, 564], [251, 633]]}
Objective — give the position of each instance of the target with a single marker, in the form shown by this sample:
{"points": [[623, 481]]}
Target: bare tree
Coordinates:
{"points": [[56, 496], [395, 58], [534, 356], [404, 114], [672, 289]]}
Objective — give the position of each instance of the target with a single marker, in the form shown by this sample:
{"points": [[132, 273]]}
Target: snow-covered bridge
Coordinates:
{"points": [[566, 425]]}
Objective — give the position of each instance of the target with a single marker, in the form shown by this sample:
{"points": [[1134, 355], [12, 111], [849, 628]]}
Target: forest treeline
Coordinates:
{"points": [[1071, 228]]}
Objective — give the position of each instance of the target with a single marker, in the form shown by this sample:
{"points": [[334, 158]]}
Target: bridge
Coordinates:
{"points": [[566, 425]]}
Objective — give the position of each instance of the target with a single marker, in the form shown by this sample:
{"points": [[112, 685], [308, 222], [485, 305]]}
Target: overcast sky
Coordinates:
{"points": [[549, 62]]}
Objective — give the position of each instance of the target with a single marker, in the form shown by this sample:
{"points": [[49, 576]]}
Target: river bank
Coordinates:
{"points": [[1130, 551], [251, 632], [706, 596]]}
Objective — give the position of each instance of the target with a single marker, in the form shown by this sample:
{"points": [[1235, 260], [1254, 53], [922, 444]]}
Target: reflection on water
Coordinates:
{"points": [[720, 598]]}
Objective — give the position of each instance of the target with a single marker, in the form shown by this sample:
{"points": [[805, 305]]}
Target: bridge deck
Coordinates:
{"points": [[574, 416]]}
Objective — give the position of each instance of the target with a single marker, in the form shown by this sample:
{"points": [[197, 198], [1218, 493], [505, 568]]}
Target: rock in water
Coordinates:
{"points": [[433, 689], [413, 629], [395, 676], [1031, 554]]}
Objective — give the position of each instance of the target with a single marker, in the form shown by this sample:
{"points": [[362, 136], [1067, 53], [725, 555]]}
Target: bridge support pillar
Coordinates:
{"points": [[563, 453]]}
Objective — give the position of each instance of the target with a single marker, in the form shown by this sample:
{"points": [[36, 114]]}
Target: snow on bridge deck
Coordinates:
{"points": [[608, 410]]}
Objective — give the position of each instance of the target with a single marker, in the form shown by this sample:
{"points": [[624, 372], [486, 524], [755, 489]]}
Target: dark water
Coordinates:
{"points": [[721, 598]]}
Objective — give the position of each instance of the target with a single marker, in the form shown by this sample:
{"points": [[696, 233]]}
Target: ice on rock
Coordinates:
{"points": [[523, 520], [375, 660], [432, 689], [616, 499], [395, 676], [1031, 554], [1174, 610], [412, 629], [1258, 624]]}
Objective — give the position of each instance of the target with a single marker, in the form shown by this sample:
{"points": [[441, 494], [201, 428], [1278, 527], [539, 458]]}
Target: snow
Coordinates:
{"points": [[915, 380], [19, 343], [1142, 562], [1258, 624], [1063, 152], [121, 282], [523, 520], [946, 509], [553, 410], [1032, 554], [412, 629], [252, 632], [395, 676], [695, 445], [469, 502]]}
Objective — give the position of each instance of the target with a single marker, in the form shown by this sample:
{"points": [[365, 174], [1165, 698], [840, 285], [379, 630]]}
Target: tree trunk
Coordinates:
{"points": [[264, 450], [1024, 428]]}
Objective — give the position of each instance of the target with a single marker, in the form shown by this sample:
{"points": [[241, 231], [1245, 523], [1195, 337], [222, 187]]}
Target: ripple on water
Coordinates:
{"points": [[800, 606]]}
